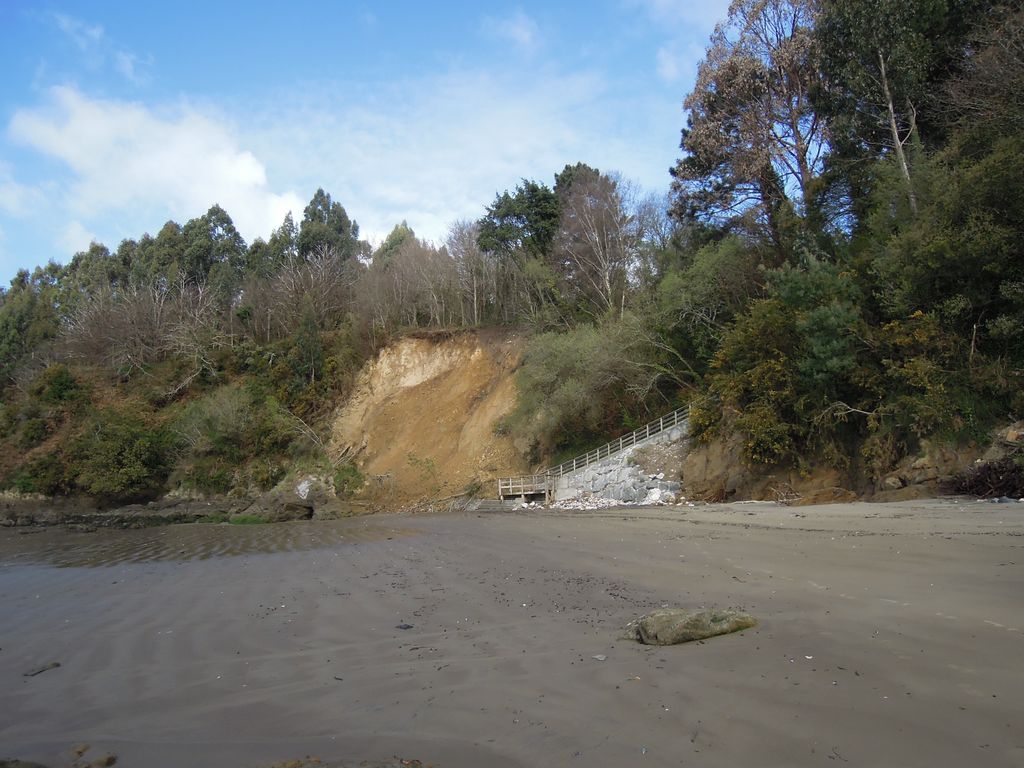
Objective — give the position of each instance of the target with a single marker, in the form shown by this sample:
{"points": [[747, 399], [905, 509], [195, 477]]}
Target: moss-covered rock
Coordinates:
{"points": [[670, 626]]}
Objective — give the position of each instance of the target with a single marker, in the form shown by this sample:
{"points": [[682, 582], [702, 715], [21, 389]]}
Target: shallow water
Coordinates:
{"points": [[180, 543]]}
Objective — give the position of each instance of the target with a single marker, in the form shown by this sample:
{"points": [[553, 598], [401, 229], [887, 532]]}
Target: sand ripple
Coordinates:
{"points": [[180, 543]]}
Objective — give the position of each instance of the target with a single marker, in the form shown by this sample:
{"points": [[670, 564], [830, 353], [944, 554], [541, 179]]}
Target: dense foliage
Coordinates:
{"points": [[837, 275]]}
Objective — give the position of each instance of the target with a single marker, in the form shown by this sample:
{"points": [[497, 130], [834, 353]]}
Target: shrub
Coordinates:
{"points": [[347, 480], [120, 457], [582, 385], [56, 386], [46, 475], [33, 432]]}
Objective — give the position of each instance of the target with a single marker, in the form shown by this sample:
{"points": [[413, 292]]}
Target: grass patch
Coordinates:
{"points": [[246, 520], [221, 517]]}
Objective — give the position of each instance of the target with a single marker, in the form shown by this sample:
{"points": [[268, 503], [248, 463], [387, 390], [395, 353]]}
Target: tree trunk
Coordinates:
{"points": [[897, 144]]}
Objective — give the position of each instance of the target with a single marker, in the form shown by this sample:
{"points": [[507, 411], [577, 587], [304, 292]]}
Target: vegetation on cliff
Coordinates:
{"points": [[837, 275]]}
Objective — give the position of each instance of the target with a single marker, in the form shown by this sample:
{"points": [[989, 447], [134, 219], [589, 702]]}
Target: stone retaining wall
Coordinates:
{"points": [[618, 479]]}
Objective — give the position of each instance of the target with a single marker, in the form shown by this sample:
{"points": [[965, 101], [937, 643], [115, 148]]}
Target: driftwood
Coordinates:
{"points": [[40, 670], [1002, 477]]}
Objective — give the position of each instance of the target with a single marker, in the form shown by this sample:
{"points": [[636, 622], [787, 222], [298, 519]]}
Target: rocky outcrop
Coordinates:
{"points": [[934, 468], [83, 513], [671, 626], [717, 471], [308, 498]]}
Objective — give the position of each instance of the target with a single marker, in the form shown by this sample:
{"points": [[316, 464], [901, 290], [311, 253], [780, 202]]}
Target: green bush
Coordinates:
{"points": [[347, 480], [57, 386], [119, 457], [46, 475], [230, 437], [579, 386], [33, 432]]}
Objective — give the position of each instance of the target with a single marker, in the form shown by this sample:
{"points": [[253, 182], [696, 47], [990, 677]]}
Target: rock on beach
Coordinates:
{"points": [[670, 626]]}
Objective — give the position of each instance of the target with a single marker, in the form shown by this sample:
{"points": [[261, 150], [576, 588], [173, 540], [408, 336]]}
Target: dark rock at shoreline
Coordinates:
{"points": [[83, 515]]}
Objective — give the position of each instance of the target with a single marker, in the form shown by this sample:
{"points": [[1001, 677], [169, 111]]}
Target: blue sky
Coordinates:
{"points": [[117, 116]]}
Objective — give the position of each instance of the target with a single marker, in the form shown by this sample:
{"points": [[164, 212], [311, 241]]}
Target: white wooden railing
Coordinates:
{"points": [[516, 486]]}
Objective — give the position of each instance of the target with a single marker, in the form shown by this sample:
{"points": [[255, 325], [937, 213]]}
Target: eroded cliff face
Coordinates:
{"points": [[421, 421]]}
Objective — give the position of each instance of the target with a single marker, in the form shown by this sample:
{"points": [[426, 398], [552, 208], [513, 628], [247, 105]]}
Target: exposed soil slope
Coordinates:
{"points": [[421, 419]]}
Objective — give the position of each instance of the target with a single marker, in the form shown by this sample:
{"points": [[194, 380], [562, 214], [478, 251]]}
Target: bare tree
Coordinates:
{"points": [[125, 330], [990, 90], [475, 271], [599, 238]]}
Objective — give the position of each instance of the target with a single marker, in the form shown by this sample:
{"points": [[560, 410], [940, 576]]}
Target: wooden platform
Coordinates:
{"points": [[528, 485]]}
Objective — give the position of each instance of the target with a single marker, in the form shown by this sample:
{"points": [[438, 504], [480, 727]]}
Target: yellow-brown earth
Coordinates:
{"points": [[423, 419]]}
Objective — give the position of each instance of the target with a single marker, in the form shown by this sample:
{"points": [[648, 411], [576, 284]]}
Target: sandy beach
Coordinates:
{"points": [[889, 635]]}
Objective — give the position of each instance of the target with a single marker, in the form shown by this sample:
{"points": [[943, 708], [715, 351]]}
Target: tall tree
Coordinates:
{"points": [[397, 237], [214, 252], [28, 317], [754, 142], [522, 224], [90, 272], [325, 224], [989, 92], [264, 258], [155, 259], [883, 58], [598, 239]]}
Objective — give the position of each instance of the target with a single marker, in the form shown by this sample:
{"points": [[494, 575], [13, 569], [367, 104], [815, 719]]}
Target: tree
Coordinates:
{"points": [[90, 273], [754, 142], [325, 224], [397, 237], [308, 351], [28, 318], [881, 59], [475, 271], [152, 259], [119, 457], [214, 252], [599, 240], [264, 258], [989, 91], [522, 224], [519, 230]]}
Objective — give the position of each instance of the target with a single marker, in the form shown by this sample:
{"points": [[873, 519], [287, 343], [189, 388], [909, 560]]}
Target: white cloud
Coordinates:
{"points": [[518, 29], [86, 36], [128, 65], [429, 151], [438, 149], [677, 61], [15, 199], [99, 50], [76, 237], [127, 159], [686, 27], [669, 68]]}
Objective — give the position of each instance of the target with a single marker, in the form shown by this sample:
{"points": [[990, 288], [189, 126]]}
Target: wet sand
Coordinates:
{"points": [[890, 635]]}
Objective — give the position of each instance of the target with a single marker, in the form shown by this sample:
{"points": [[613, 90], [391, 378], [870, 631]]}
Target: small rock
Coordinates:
{"points": [[599, 657], [403, 625], [892, 483]]}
